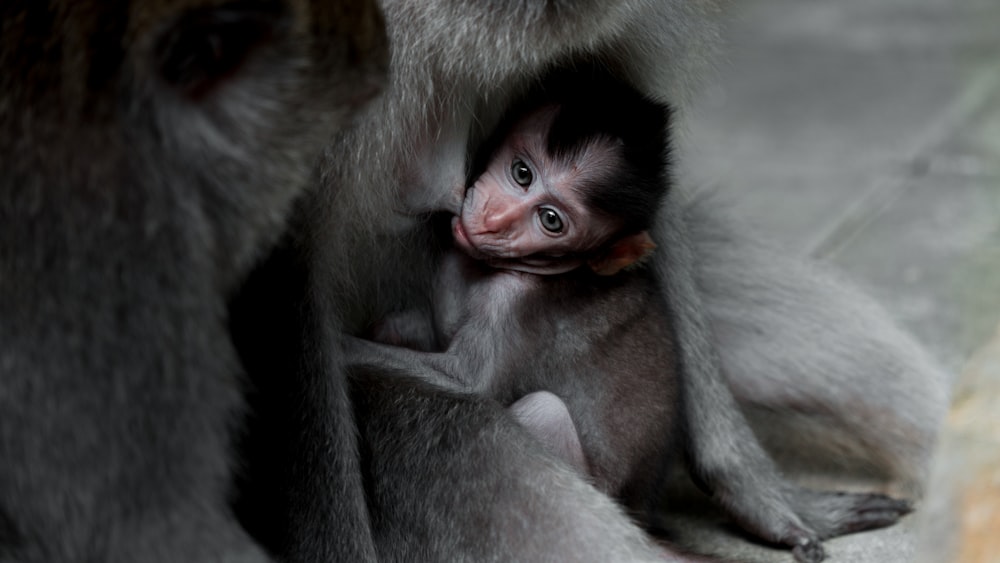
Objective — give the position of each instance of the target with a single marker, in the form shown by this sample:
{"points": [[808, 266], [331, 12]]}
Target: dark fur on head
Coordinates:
{"points": [[594, 106], [611, 110]]}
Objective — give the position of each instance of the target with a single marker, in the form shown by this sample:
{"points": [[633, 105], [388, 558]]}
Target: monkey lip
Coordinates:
{"points": [[462, 239]]}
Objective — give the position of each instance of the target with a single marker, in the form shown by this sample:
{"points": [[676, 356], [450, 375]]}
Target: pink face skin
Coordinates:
{"points": [[522, 213]]}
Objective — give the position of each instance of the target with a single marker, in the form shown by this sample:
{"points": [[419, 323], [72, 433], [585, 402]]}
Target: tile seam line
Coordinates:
{"points": [[888, 188]]}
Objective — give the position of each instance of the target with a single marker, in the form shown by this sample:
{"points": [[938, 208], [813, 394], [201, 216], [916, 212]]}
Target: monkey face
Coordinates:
{"points": [[527, 211]]}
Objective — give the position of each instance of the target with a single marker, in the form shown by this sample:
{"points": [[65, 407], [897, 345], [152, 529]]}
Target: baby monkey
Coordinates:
{"points": [[563, 202], [568, 184], [545, 307]]}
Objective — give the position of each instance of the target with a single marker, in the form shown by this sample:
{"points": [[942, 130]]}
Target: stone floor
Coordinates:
{"points": [[867, 133]]}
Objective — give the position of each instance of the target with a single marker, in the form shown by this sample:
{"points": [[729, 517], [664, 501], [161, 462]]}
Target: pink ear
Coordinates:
{"points": [[623, 254]]}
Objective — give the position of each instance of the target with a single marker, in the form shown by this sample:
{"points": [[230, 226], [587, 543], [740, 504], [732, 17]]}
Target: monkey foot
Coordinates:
{"points": [[872, 511], [809, 551]]}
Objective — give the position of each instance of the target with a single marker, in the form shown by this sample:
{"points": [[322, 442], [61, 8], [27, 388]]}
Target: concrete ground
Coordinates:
{"points": [[867, 133]]}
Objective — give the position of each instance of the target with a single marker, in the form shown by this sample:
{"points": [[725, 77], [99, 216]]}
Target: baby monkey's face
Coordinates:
{"points": [[527, 211]]}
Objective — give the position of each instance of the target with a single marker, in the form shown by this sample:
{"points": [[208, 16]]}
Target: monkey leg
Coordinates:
{"points": [[832, 387], [759, 501]]}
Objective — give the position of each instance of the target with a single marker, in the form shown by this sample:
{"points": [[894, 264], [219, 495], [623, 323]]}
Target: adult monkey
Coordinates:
{"points": [[150, 151], [451, 472]]}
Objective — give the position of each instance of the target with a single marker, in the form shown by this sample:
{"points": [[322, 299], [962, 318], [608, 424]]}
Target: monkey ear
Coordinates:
{"points": [[622, 254]]}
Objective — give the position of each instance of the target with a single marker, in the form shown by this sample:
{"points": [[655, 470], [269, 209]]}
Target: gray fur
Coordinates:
{"points": [[840, 394], [131, 208]]}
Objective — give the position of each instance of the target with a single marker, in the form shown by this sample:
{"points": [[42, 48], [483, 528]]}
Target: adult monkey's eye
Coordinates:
{"points": [[551, 221], [521, 173]]}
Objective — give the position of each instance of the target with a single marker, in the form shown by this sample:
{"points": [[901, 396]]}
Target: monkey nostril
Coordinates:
{"points": [[500, 217], [489, 224]]}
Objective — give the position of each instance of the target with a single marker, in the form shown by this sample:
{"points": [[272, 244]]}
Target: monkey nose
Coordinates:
{"points": [[501, 217], [497, 222]]}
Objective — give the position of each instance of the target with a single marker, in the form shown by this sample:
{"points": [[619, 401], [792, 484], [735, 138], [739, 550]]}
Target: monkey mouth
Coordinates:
{"points": [[488, 255], [534, 266]]}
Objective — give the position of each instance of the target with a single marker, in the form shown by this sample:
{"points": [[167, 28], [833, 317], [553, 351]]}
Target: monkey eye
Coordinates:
{"points": [[550, 220], [521, 173]]}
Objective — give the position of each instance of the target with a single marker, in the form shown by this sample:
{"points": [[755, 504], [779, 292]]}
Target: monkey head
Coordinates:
{"points": [[527, 211]]}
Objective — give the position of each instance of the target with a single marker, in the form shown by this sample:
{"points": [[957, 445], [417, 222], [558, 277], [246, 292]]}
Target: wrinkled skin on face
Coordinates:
{"points": [[525, 211]]}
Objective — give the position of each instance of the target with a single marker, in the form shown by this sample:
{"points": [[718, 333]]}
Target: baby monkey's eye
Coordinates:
{"points": [[521, 173], [551, 221]]}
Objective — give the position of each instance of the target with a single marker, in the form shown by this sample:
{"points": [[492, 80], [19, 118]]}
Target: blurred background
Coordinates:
{"points": [[867, 133]]}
